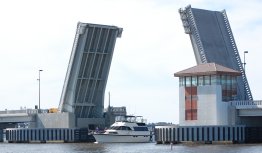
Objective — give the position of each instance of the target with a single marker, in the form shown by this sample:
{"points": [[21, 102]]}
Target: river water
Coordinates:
{"points": [[127, 148]]}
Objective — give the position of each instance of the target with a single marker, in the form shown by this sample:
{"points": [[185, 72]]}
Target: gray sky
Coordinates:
{"points": [[39, 35]]}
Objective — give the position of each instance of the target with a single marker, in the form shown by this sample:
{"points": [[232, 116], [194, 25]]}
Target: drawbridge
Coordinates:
{"points": [[87, 73], [213, 41]]}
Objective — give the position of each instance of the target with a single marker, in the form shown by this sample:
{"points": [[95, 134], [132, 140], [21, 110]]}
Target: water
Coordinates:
{"points": [[127, 148]]}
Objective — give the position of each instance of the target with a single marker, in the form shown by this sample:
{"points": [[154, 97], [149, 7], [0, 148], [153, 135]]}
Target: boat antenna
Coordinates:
{"points": [[109, 100]]}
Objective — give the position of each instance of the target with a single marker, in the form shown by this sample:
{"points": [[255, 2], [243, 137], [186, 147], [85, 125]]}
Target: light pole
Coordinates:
{"points": [[39, 89], [245, 52]]}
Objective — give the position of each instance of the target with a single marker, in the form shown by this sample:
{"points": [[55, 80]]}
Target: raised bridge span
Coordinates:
{"points": [[213, 41]]}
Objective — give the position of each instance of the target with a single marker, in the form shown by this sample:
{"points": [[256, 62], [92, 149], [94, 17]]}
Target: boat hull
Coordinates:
{"points": [[121, 138]]}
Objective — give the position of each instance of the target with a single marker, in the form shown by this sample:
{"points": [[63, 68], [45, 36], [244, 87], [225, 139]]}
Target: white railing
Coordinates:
{"points": [[24, 111], [196, 34], [247, 104], [190, 27], [232, 40]]}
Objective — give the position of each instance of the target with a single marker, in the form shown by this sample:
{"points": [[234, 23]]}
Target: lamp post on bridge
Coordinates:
{"points": [[245, 52], [39, 89]]}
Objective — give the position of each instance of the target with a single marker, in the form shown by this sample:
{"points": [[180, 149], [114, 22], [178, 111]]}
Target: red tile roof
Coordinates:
{"points": [[207, 69]]}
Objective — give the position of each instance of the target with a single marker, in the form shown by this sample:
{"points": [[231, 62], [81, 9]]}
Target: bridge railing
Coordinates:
{"points": [[24, 111], [247, 104], [13, 112]]}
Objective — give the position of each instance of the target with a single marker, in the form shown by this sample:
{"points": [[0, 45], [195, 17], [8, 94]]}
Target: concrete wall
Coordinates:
{"points": [[223, 112], [55, 120], [211, 109], [90, 123], [207, 105], [182, 106], [233, 118]]}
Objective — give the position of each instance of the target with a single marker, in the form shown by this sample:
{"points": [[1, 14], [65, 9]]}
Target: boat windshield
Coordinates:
{"points": [[133, 119], [120, 128], [114, 127]]}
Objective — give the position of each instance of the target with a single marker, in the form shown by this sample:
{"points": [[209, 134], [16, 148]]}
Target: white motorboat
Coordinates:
{"points": [[125, 129]]}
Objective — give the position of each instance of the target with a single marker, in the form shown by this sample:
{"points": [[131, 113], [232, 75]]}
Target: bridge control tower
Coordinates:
{"points": [[87, 73], [213, 42]]}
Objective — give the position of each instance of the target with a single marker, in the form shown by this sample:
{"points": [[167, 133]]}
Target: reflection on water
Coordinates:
{"points": [[126, 148]]}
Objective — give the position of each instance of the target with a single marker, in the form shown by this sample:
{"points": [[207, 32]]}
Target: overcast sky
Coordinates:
{"points": [[39, 35]]}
